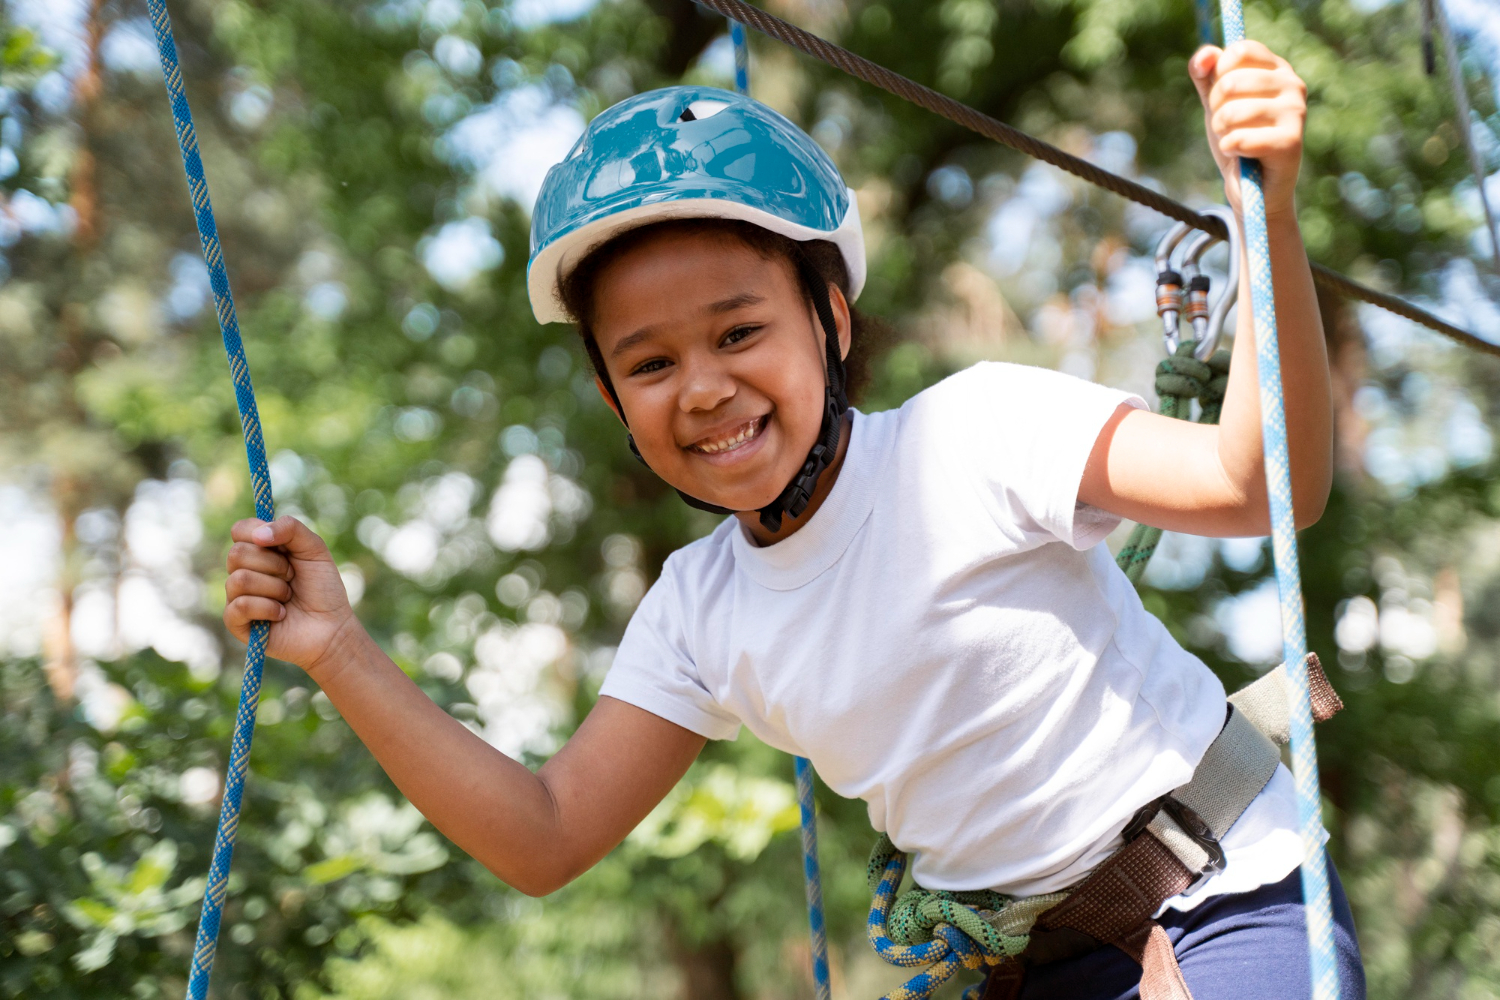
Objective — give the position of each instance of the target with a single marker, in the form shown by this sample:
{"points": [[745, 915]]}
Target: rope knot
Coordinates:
{"points": [[941, 929], [1179, 378], [1212, 393]]}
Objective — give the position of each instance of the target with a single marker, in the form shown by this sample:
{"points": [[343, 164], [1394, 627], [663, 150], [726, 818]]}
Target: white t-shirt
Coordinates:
{"points": [[947, 639]]}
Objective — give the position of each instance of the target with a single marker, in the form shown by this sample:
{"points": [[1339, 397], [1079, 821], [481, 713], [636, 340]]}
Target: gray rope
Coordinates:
{"points": [[1439, 18], [1007, 135]]}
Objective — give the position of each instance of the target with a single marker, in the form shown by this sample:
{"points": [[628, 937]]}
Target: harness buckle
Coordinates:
{"points": [[1196, 828], [1142, 819], [1192, 824]]}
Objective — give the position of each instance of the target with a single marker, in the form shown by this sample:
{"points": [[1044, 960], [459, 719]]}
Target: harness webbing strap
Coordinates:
{"points": [[260, 485], [996, 130], [944, 931]]}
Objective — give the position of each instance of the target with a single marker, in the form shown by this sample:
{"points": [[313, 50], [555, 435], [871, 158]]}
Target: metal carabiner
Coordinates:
{"points": [[1193, 286], [1169, 283], [1211, 329]]}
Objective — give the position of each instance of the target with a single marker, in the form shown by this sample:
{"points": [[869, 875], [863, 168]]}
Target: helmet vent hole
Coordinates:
{"points": [[699, 110]]}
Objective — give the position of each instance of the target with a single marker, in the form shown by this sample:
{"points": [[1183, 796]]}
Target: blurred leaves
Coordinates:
{"points": [[130, 902], [718, 804], [370, 165]]}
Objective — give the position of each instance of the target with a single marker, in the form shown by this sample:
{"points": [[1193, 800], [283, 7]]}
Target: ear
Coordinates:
{"points": [[841, 318], [609, 399]]}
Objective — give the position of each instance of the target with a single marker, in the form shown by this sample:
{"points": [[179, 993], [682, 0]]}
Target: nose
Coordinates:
{"points": [[706, 385]]}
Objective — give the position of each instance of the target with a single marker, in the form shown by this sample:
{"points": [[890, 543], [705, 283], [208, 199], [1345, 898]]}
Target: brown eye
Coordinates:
{"points": [[649, 367], [738, 334]]}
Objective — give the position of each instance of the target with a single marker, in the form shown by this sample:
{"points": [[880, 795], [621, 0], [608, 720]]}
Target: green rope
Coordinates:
{"points": [[1180, 379], [917, 912]]}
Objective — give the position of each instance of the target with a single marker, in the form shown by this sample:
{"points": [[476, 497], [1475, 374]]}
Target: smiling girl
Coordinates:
{"points": [[916, 600]]}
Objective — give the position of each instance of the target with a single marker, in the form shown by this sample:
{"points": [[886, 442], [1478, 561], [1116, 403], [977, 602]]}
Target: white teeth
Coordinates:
{"points": [[733, 441]]}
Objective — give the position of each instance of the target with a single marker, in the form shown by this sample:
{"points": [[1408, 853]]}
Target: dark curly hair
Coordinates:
{"points": [[867, 333]]}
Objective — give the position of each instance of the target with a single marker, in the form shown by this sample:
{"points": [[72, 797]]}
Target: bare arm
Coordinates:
{"points": [[536, 832], [1210, 480]]}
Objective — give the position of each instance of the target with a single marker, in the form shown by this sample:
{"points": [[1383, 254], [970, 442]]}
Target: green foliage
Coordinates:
{"points": [[398, 409]]}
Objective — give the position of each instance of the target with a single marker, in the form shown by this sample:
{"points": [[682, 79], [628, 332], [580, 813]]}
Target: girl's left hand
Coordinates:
{"points": [[1254, 106]]}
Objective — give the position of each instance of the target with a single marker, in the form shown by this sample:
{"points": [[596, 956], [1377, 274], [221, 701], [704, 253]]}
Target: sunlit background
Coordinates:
{"points": [[374, 164]]}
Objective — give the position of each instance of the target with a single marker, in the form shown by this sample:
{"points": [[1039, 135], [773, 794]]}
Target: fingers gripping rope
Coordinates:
{"points": [[996, 130], [260, 481], [1322, 957]]}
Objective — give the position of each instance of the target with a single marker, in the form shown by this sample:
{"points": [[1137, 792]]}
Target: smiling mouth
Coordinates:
{"points": [[737, 438]]}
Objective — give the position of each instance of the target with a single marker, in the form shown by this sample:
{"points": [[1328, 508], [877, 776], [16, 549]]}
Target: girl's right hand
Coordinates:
{"points": [[283, 573]]}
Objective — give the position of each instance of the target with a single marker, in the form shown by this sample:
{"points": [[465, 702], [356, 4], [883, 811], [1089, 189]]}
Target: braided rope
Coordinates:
{"points": [[996, 130], [741, 56], [1180, 378], [1204, 13], [1439, 17], [812, 879], [260, 482], [943, 931], [1319, 907]]}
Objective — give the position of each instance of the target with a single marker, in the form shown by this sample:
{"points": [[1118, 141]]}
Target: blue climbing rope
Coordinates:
{"points": [[741, 57], [813, 880], [265, 508], [1205, 14], [1319, 908], [817, 930]]}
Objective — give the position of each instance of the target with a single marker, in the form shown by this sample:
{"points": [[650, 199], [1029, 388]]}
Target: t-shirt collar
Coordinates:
{"points": [[803, 556]]}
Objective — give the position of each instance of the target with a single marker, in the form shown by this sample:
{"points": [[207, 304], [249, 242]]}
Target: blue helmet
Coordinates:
{"points": [[686, 152]]}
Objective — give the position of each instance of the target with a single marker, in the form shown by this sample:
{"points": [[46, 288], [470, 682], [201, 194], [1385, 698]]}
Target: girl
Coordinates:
{"points": [[916, 600]]}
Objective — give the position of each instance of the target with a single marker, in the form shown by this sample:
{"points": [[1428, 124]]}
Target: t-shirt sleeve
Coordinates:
{"points": [[654, 667], [1025, 434]]}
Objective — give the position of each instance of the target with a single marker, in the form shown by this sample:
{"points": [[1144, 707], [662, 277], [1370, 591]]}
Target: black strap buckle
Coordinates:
{"points": [[1192, 824], [1142, 819], [1195, 827]]}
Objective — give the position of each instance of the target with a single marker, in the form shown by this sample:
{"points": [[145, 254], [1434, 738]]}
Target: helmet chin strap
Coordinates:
{"points": [[799, 492]]}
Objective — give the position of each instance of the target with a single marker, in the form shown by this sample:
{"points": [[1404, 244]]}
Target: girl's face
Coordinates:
{"points": [[717, 358]]}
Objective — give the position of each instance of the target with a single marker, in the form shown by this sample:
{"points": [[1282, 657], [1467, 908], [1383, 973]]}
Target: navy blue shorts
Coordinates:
{"points": [[1245, 946]]}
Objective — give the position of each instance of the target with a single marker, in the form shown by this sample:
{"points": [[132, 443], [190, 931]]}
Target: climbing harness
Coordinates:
{"points": [[1170, 847], [260, 486]]}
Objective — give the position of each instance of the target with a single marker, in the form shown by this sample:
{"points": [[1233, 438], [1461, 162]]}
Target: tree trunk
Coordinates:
{"points": [[60, 663], [1348, 365], [707, 971], [86, 93]]}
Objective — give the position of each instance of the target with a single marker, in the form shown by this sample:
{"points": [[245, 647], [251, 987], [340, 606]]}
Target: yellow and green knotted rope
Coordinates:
{"points": [[943, 931]]}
